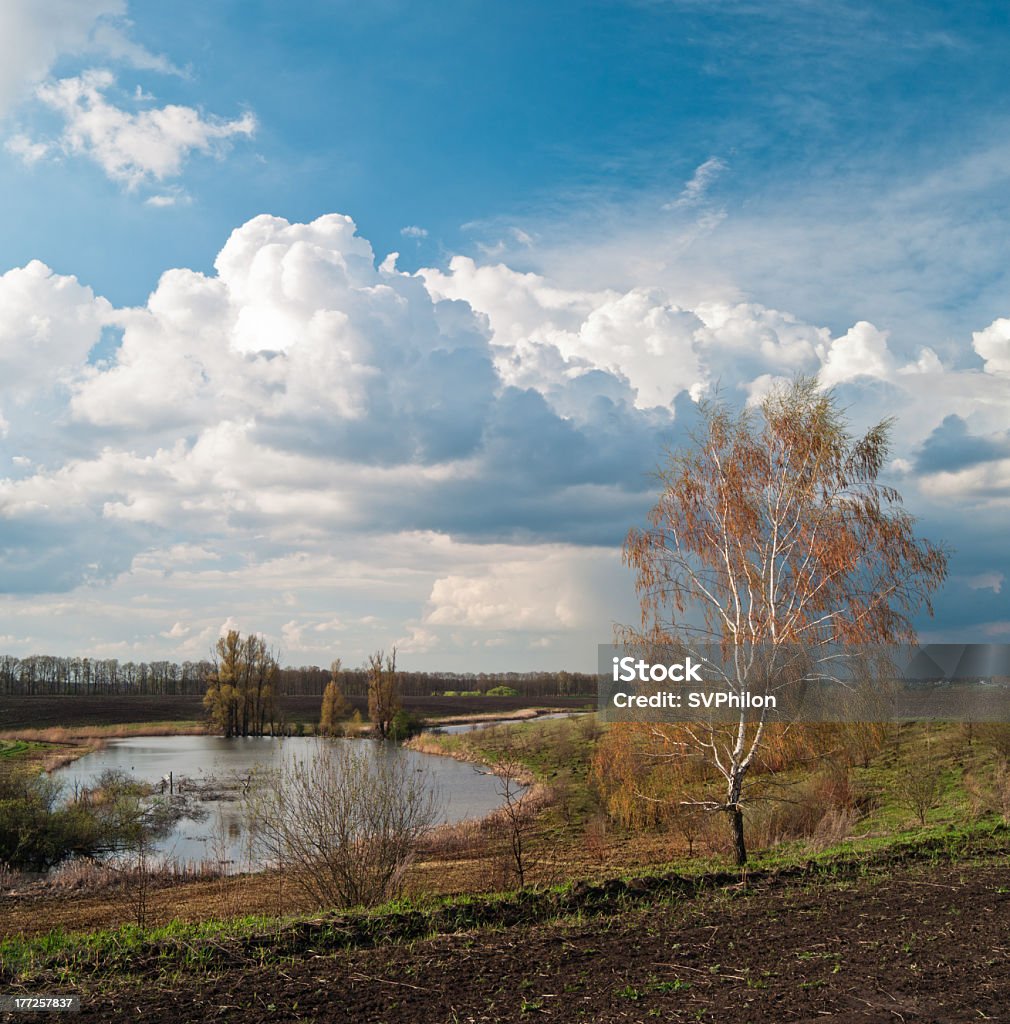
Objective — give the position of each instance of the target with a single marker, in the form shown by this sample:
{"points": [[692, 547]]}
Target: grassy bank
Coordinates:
{"points": [[556, 753], [44, 755], [55, 747], [918, 940], [570, 837], [924, 776], [66, 958]]}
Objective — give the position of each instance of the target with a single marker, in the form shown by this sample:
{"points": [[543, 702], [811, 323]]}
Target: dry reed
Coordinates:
{"points": [[72, 733]]}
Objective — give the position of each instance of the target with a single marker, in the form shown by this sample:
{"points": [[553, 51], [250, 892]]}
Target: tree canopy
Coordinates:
{"points": [[772, 527], [242, 686]]}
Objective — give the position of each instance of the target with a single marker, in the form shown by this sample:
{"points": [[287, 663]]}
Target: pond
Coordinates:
{"points": [[214, 771]]}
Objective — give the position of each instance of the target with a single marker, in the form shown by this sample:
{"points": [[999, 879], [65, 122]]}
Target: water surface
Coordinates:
{"points": [[212, 762]]}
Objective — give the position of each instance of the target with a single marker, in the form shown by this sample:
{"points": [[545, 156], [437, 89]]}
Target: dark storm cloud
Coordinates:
{"points": [[952, 446]]}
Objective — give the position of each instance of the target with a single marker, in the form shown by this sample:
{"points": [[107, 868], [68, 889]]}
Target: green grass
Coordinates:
{"points": [[546, 748], [110, 951], [16, 751], [213, 944], [557, 752], [891, 819]]}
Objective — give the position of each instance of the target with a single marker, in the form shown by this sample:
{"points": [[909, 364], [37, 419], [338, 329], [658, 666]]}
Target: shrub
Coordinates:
{"points": [[35, 832], [344, 825], [919, 786], [38, 830], [404, 725]]}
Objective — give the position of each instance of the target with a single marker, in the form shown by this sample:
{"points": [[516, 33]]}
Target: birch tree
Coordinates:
{"points": [[772, 529]]}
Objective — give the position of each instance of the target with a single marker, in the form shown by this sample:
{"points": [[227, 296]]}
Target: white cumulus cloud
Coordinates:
{"points": [[993, 345], [861, 352], [547, 336], [302, 437], [48, 324], [134, 147], [554, 588], [33, 33]]}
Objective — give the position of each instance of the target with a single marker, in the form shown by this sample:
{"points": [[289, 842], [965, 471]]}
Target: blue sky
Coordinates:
{"points": [[221, 405]]}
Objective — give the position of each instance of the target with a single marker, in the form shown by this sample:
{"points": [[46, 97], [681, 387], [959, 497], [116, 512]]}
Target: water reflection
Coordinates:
{"points": [[216, 771]]}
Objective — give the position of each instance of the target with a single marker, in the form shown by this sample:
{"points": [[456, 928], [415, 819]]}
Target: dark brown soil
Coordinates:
{"points": [[45, 712], [918, 944]]}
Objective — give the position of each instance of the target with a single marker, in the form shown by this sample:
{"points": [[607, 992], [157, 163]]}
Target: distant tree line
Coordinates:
{"points": [[48, 675], [44, 675], [312, 681]]}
